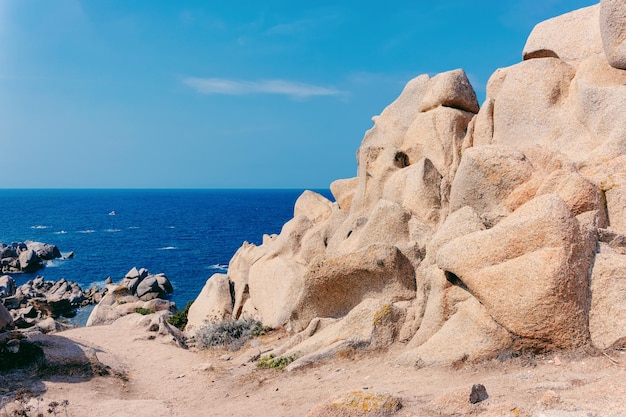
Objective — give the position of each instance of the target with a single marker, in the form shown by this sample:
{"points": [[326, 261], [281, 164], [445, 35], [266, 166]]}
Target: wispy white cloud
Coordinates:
{"points": [[240, 87]]}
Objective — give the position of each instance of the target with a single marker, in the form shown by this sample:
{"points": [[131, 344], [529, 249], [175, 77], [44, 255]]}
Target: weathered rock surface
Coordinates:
{"points": [[26, 256], [613, 29], [141, 294], [478, 229]]}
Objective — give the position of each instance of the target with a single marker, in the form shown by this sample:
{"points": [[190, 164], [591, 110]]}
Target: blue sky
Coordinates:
{"points": [[239, 94]]}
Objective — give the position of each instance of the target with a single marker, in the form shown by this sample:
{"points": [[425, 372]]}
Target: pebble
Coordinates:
{"points": [[478, 394]]}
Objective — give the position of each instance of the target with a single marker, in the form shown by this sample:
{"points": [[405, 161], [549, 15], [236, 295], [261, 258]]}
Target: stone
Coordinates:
{"points": [[6, 320], [613, 31], [571, 37], [336, 285], [418, 189], [314, 206], [478, 394], [343, 191], [45, 251], [450, 89], [154, 286], [29, 261], [486, 176], [607, 313], [213, 304], [7, 286], [530, 271], [359, 404]]}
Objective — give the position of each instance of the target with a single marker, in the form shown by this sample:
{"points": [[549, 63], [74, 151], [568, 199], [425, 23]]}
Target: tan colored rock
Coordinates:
{"points": [[607, 314], [373, 324], [613, 30], [616, 203], [275, 283], [343, 190], [380, 155], [386, 223], [469, 334], [314, 206], [460, 223], [335, 285], [213, 304], [437, 135], [359, 404], [417, 188], [450, 89], [579, 194], [570, 37], [530, 271], [6, 320], [103, 314], [528, 106], [239, 268], [486, 177]]}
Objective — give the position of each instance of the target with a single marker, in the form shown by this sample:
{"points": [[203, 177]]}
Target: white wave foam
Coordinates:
{"points": [[171, 227], [54, 263], [113, 230], [87, 231], [39, 227], [168, 248], [219, 267], [60, 232], [133, 227]]}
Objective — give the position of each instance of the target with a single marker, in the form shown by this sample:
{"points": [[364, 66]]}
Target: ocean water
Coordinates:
{"points": [[186, 234]]}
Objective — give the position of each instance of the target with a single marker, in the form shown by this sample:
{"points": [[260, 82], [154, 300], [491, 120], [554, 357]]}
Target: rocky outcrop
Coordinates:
{"points": [[26, 256], [471, 230], [139, 293], [38, 300]]}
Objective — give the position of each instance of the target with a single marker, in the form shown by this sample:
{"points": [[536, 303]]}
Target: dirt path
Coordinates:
{"points": [[156, 379]]}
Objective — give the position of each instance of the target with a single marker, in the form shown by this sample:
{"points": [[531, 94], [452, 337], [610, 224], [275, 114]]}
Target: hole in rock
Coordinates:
{"points": [[454, 280], [401, 160]]}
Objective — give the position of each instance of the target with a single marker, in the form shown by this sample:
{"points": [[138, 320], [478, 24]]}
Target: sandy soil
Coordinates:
{"points": [[151, 378]]}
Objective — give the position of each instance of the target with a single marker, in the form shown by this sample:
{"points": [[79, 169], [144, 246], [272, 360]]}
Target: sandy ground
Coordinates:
{"points": [[151, 378]]}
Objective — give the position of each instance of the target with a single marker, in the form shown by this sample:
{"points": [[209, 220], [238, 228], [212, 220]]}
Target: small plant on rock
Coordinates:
{"points": [[179, 319], [144, 311], [272, 362]]}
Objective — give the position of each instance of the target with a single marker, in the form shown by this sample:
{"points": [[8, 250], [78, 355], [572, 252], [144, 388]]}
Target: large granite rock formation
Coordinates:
{"points": [[467, 230]]}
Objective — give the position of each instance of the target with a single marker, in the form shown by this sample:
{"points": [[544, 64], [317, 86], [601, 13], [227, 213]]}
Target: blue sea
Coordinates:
{"points": [[186, 234]]}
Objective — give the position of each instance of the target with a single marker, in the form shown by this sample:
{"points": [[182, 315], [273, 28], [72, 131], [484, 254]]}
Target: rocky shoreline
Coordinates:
{"points": [[40, 306]]}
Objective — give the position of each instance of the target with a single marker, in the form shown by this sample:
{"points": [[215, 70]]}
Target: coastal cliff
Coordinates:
{"points": [[466, 231]]}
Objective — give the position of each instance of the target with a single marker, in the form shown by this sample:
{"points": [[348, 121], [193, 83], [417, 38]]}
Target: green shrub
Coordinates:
{"points": [[144, 311], [229, 334], [272, 362], [179, 319]]}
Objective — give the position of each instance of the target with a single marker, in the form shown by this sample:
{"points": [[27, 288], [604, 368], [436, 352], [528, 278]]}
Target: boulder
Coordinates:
{"points": [[7, 286], [450, 89], [6, 320], [154, 286], [486, 176], [469, 334], [613, 30], [335, 285], [343, 191], [582, 37], [45, 251], [213, 304], [530, 271], [29, 261], [607, 313], [418, 189], [314, 206]]}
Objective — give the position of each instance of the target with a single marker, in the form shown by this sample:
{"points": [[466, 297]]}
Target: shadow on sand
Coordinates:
{"points": [[26, 362]]}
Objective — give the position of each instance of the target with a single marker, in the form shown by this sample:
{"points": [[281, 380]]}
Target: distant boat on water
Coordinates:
{"points": [[112, 213]]}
